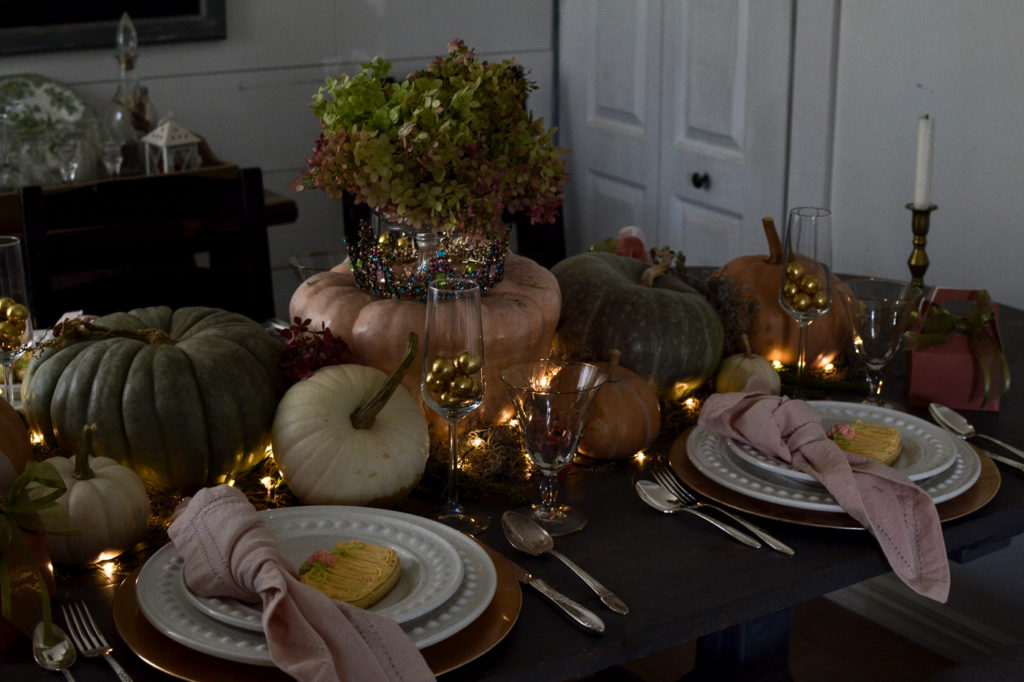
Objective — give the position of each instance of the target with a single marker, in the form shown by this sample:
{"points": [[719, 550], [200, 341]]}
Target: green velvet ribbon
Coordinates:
{"points": [[939, 324], [18, 510]]}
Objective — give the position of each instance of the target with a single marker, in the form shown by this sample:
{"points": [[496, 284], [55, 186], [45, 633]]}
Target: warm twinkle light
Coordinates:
{"points": [[640, 457], [268, 483], [108, 568], [230, 482], [476, 442], [777, 365], [542, 383], [682, 388], [829, 368], [36, 438]]}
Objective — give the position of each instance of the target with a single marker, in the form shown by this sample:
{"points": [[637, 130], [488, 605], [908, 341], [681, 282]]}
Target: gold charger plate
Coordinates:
{"points": [[163, 653], [972, 499]]}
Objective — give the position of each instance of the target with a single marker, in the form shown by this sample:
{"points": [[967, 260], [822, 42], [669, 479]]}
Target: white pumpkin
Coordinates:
{"points": [[736, 370], [105, 501], [325, 459]]}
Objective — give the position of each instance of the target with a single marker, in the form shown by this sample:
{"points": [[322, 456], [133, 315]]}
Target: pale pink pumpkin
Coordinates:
{"points": [[519, 316]]}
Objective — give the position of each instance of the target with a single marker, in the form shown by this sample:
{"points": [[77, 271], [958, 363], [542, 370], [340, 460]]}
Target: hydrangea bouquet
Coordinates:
{"points": [[452, 147]]}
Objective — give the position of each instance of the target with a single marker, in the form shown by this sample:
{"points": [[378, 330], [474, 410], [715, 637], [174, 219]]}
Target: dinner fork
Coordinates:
{"points": [[87, 637], [668, 479]]}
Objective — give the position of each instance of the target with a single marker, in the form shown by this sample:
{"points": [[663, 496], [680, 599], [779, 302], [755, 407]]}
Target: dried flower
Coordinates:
{"points": [[307, 350], [453, 146]]}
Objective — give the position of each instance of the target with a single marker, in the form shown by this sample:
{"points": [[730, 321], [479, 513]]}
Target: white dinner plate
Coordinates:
{"points": [[160, 593], [713, 457], [927, 450], [430, 567]]}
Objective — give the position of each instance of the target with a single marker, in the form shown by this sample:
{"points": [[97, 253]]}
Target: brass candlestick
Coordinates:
{"points": [[918, 260]]}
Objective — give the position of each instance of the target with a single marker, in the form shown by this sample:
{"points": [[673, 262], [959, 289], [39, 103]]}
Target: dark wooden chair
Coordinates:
{"points": [[179, 239]]}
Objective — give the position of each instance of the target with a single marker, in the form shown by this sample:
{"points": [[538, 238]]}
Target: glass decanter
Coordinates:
{"points": [[130, 114]]}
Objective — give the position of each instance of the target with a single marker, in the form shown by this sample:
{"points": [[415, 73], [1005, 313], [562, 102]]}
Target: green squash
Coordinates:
{"points": [[668, 333], [186, 397]]}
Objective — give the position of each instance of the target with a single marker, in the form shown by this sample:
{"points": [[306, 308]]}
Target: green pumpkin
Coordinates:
{"points": [[667, 333], [186, 397]]}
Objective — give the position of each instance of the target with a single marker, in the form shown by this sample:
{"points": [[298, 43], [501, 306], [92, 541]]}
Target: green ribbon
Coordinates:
{"points": [[939, 324], [17, 510]]}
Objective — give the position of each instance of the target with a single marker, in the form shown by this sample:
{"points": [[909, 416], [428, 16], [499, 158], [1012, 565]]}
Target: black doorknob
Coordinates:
{"points": [[701, 180]]}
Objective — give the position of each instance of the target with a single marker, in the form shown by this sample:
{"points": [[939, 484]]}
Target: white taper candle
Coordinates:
{"points": [[923, 177]]}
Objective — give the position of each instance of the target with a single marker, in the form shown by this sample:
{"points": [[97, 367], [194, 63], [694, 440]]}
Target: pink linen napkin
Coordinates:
{"points": [[900, 515], [229, 552]]}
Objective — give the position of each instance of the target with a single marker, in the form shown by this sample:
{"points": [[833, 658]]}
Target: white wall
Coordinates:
{"points": [[248, 94], [960, 62]]}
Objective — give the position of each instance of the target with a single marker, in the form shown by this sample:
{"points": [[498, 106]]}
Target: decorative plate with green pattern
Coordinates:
{"points": [[43, 112]]}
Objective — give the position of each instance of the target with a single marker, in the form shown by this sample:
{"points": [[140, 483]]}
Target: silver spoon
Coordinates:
{"points": [[661, 499], [57, 654], [955, 422], [526, 535]]}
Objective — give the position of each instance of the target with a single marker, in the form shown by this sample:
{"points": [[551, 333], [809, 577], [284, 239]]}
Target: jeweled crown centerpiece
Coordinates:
{"points": [[447, 160]]}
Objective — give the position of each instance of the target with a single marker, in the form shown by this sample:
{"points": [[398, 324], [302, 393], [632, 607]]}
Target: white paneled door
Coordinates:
{"points": [[676, 112]]}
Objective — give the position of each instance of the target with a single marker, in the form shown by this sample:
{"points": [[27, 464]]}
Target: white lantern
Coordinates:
{"points": [[170, 148]]}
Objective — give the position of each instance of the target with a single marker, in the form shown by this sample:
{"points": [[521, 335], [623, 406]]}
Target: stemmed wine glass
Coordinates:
{"points": [[805, 291], [452, 381], [15, 321], [552, 400], [880, 310]]}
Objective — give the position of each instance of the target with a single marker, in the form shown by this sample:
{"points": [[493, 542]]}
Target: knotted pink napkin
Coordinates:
{"points": [[229, 552], [900, 515]]}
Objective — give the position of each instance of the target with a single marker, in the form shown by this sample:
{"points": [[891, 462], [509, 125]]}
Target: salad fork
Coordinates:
{"points": [[668, 479], [87, 637]]}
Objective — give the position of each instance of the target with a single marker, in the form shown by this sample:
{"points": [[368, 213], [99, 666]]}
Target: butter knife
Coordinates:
{"points": [[582, 616]]}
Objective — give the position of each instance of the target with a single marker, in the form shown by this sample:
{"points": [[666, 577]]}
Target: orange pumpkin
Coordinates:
{"points": [[775, 335], [15, 446], [519, 318], [625, 416]]}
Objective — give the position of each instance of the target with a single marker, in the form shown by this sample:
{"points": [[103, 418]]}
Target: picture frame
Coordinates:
{"points": [[28, 26]]}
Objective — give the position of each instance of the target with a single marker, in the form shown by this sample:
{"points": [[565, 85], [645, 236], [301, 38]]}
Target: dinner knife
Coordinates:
{"points": [[1005, 460], [582, 616]]}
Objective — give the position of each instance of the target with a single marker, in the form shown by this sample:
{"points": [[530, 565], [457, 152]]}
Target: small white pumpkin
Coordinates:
{"points": [[736, 370], [105, 501], [350, 434]]}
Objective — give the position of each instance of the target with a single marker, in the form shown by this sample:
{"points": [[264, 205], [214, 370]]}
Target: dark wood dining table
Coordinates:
{"points": [[682, 579]]}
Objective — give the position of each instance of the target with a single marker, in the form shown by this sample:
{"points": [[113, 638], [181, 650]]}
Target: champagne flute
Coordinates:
{"points": [[15, 321], [552, 400], [880, 310], [452, 380], [805, 291]]}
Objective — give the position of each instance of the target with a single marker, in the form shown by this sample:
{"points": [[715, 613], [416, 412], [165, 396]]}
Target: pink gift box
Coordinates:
{"points": [[947, 373]]}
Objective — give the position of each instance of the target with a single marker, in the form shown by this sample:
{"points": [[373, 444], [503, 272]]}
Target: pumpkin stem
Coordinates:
{"points": [[662, 263], [78, 328], [364, 415], [613, 365], [774, 244], [746, 347], [82, 471]]}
